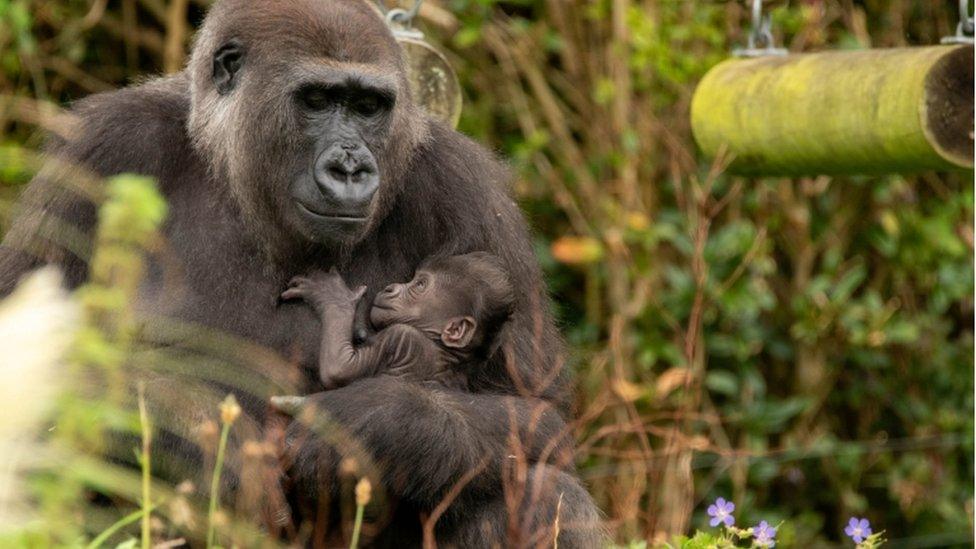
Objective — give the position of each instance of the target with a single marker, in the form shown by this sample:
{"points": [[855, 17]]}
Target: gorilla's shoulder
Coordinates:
{"points": [[140, 128], [461, 188], [462, 164]]}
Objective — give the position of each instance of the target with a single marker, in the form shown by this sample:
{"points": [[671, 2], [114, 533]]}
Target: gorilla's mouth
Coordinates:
{"points": [[330, 216]]}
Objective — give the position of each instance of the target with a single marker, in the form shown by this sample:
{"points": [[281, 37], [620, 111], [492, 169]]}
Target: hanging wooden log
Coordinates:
{"points": [[852, 112]]}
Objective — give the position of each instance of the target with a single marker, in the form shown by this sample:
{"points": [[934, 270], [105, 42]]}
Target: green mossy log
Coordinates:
{"points": [[854, 112]]}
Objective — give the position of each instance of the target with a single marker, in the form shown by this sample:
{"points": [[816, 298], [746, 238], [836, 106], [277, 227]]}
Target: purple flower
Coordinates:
{"points": [[858, 529], [765, 535], [721, 512]]}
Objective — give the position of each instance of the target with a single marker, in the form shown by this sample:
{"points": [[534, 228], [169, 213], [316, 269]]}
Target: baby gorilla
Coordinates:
{"points": [[431, 330]]}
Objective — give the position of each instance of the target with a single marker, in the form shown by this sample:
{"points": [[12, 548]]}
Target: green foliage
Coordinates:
{"points": [[837, 318]]}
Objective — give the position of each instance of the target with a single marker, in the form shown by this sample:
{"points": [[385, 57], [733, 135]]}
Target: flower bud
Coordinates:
{"points": [[229, 410], [348, 467], [364, 491]]}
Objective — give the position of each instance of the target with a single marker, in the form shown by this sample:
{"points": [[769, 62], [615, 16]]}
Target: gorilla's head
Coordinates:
{"points": [[303, 107]]}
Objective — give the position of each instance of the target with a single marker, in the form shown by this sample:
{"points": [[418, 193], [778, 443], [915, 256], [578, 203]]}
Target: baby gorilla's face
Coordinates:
{"points": [[421, 303], [451, 299]]}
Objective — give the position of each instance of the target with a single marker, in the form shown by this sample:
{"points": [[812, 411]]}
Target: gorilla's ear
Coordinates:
{"points": [[459, 332], [227, 61]]}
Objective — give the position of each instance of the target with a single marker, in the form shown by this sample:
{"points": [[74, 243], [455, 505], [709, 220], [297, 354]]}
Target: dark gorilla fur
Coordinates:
{"points": [[224, 155]]}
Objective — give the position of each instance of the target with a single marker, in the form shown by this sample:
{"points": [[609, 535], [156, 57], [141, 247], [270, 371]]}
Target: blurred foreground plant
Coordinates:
{"points": [[37, 325], [97, 399]]}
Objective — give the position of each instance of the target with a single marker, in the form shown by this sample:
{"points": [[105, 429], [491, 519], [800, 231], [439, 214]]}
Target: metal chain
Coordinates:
{"points": [[760, 41], [964, 30]]}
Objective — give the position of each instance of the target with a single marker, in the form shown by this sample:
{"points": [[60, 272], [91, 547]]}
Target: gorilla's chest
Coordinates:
{"points": [[227, 298], [212, 281], [233, 315]]}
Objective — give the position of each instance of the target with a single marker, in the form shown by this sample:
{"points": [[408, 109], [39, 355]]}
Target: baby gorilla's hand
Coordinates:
{"points": [[321, 290]]}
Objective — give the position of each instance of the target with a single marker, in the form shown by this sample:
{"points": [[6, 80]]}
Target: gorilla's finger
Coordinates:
{"points": [[292, 293]]}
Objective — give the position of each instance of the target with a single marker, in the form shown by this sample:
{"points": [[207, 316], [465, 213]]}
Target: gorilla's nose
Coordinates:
{"points": [[347, 176], [390, 290]]}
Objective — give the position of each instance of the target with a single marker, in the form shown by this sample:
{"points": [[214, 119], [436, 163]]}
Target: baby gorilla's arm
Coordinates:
{"points": [[395, 349], [335, 304]]}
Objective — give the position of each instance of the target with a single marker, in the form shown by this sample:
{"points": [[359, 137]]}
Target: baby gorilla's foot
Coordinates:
{"points": [[288, 404], [321, 290]]}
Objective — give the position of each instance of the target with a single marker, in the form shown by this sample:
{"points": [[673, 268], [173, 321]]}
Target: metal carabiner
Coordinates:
{"points": [[760, 41], [964, 30], [401, 20]]}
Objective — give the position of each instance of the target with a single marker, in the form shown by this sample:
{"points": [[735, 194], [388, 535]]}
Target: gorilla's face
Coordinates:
{"points": [[344, 116], [302, 106]]}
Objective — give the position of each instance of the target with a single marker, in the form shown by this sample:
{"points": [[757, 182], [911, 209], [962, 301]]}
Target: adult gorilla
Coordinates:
{"points": [[291, 144]]}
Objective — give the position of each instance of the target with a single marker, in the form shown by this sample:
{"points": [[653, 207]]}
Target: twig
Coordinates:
{"points": [[175, 36], [111, 530], [452, 494]]}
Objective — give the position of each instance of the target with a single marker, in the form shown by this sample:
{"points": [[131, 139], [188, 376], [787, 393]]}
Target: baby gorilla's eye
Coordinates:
{"points": [[420, 284]]}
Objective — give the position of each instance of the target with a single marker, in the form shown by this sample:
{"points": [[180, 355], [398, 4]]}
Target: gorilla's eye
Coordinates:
{"points": [[421, 284], [367, 104], [315, 98]]}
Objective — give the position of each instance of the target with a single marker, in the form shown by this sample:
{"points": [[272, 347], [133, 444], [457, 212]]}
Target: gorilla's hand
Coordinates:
{"points": [[322, 290], [417, 441]]}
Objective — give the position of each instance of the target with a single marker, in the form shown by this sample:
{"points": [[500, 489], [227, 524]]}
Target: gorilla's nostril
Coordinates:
{"points": [[359, 174], [338, 173]]}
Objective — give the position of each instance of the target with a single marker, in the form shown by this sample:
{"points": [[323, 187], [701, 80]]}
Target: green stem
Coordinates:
{"points": [[146, 470], [215, 485], [356, 526], [118, 525]]}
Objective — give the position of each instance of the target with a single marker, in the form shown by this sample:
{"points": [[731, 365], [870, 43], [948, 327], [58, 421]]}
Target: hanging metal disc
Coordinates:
{"points": [[433, 82]]}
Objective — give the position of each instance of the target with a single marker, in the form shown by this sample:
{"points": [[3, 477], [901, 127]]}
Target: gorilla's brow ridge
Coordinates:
{"points": [[331, 71]]}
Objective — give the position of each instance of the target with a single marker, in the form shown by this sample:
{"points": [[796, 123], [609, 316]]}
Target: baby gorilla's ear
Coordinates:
{"points": [[458, 332]]}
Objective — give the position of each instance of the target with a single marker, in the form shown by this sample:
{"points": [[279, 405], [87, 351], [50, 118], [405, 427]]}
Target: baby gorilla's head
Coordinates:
{"points": [[461, 300]]}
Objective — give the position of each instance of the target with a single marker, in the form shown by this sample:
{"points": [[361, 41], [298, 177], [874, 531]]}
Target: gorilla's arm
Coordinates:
{"points": [[467, 190], [51, 224], [133, 130], [423, 441]]}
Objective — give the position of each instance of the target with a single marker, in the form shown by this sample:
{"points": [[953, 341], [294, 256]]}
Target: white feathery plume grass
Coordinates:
{"points": [[37, 326]]}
